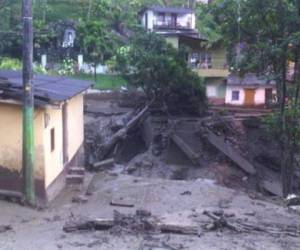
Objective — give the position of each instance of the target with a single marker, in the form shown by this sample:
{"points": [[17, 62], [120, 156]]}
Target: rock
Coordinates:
{"points": [[80, 199], [5, 228], [186, 193], [147, 163], [210, 226]]}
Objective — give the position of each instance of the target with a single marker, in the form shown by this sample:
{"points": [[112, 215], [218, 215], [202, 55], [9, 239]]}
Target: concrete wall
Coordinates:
{"points": [[174, 41], [48, 163], [259, 96], [75, 125], [53, 159], [215, 87], [182, 20], [11, 147], [151, 19]]}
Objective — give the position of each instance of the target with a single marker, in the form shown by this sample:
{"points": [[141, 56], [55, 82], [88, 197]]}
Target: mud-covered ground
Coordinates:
{"points": [[171, 201], [169, 186]]}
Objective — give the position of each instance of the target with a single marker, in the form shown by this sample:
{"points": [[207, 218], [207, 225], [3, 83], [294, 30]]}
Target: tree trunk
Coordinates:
{"points": [[284, 142]]}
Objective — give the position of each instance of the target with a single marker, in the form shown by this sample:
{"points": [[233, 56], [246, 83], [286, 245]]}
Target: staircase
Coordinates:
{"points": [[75, 176]]}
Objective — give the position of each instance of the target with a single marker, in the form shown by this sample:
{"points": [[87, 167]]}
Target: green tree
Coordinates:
{"points": [[152, 64], [96, 41], [261, 36]]}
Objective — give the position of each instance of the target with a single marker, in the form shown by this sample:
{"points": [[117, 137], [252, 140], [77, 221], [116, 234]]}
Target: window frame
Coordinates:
{"points": [[235, 95], [52, 139]]}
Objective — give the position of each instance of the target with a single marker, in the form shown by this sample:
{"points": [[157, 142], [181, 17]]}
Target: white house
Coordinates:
{"points": [[249, 90], [158, 18]]}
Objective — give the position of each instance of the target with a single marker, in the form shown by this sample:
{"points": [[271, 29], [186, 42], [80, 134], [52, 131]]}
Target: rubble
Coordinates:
{"points": [[223, 220], [177, 147], [5, 228]]}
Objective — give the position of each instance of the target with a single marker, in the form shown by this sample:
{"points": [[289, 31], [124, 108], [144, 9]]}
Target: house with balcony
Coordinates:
{"points": [[178, 26], [210, 62]]}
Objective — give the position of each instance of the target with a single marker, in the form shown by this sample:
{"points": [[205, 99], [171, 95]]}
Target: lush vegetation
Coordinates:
{"points": [[105, 81], [161, 71], [262, 37]]}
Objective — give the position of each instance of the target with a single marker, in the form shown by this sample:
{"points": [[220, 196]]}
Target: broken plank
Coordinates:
{"points": [[230, 152], [104, 164], [88, 225], [178, 229], [122, 202]]}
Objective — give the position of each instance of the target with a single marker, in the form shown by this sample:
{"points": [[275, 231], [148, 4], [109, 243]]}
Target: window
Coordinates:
{"points": [[235, 95], [161, 18], [52, 138]]}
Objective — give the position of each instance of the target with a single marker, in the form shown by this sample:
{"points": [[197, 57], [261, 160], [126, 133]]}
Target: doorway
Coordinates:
{"points": [[249, 97], [268, 97]]}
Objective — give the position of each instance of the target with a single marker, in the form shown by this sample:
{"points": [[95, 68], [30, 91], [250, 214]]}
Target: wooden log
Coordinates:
{"points": [[88, 225], [178, 229], [104, 164], [121, 135], [11, 194], [237, 225], [122, 202]]}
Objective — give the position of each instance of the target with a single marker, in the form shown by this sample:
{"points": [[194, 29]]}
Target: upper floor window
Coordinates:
{"points": [[161, 18]]}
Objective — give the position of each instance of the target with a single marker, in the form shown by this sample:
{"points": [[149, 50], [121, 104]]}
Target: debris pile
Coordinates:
{"points": [[139, 223], [222, 220]]}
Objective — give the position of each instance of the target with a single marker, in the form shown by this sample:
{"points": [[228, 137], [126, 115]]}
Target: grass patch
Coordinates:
{"points": [[104, 81]]}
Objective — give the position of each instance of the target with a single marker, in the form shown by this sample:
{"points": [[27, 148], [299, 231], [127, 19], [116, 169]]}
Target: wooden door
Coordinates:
{"points": [[249, 97]]}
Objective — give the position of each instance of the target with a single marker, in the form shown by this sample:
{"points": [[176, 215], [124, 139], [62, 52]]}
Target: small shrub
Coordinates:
{"points": [[10, 63], [39, 69], [67, 68]]}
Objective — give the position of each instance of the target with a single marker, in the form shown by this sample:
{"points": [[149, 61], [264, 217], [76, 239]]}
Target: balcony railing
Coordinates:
{"points": [[213, 68], [171, 25]]}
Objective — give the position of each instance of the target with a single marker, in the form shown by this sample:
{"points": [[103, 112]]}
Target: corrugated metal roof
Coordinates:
{"points": [[248, 79], [168, 9], [47, 89]]}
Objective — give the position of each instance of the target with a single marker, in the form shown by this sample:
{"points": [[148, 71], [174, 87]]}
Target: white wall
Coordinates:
{"points": [[259, 96], [151, 19], [228, 96], [181, 19], [211, 90]]}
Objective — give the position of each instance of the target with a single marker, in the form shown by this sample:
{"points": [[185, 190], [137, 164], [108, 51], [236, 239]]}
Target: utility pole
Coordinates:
{"points": [[28, 104]]}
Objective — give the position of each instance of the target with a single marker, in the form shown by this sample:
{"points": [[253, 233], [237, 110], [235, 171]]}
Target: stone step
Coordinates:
{"points": [[72, 179], [76, 170]]}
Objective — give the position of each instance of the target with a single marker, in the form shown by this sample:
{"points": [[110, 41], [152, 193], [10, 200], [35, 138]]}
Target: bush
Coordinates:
{"points": [[10, 63], [67, 68]]}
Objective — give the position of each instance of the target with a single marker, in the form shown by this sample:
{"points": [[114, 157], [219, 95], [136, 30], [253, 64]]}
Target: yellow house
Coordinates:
{"points": [[58, 127]]}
